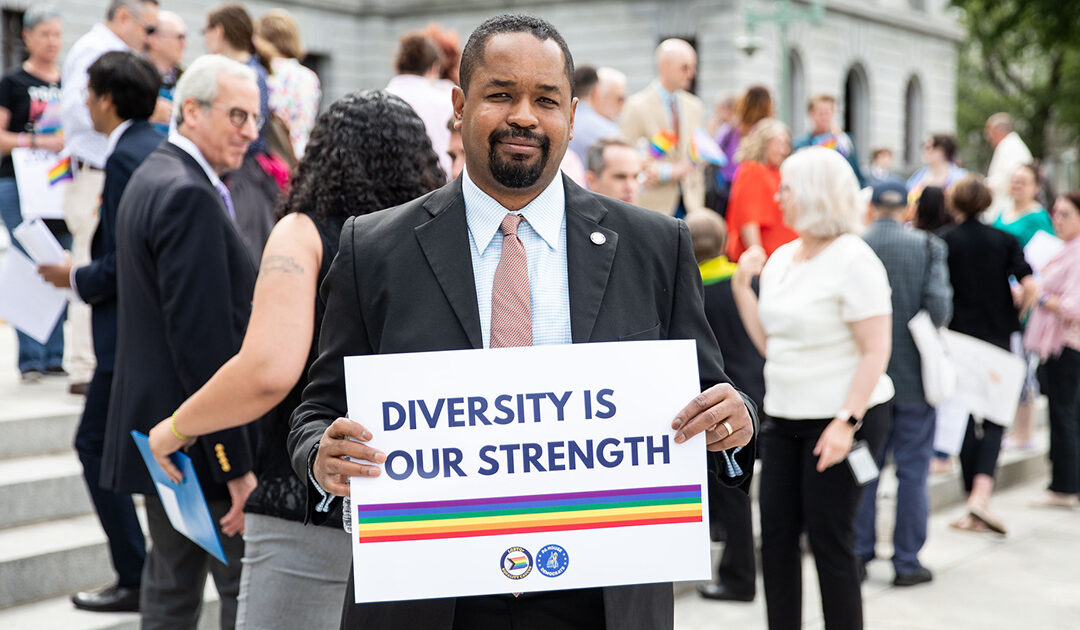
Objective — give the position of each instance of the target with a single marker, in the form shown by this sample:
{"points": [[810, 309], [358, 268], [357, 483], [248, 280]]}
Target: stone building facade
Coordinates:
{"points": [[890, 63]]}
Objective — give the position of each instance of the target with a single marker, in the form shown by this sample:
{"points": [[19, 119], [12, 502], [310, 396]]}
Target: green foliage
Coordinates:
{"points": [[1021, 57]]}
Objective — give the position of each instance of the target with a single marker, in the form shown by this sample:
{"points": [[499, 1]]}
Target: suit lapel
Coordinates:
{"points": [[588, 263], [444, 240]]}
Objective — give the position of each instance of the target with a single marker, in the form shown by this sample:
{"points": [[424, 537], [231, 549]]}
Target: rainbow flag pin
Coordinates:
{"points": [[662, 143], [60, 171]]}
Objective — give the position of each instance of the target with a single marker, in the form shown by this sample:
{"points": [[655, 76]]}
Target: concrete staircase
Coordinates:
{"points": [[51, 543]]}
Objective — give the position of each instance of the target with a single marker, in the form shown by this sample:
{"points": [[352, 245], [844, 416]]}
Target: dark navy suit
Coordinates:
{"points": [[96, 285]]}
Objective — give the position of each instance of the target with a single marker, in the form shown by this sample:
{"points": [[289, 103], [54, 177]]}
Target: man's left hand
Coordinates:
{"points": [[721, 413], [58, 275]]}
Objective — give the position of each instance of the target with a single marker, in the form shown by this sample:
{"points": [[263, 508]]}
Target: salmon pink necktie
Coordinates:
{"points": [[511, 317]]}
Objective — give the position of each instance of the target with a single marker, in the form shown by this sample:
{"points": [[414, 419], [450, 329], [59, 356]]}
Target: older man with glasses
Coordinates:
{"points": [[126, 27], [165, 49], [184, 284]]}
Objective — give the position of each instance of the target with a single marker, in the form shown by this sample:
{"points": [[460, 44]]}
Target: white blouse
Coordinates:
{"points": [[806, 309]]}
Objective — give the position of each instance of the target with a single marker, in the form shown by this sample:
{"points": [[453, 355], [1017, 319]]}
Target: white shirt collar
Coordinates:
{"points": [[182, 142], [484, 214], [114, 137], [105, 34]]}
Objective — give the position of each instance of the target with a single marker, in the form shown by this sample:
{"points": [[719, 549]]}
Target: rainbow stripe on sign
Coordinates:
{"points": [[465, 518], [60, 171], [518, 562]]}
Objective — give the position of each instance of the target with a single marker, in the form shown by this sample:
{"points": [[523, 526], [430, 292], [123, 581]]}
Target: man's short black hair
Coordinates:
{"points": [[473, 53], [132, 81], [585, 80]]}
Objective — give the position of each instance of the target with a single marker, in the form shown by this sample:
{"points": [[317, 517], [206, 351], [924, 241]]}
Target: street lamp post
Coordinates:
{"points": [[782, 15]]}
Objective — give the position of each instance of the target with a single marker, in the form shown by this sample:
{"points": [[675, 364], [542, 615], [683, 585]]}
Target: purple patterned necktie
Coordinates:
{"points": [[226, 197]]}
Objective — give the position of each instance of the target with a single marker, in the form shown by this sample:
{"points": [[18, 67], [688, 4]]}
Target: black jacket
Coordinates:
{"points": [[96, 282], [402, 282], [185, 283]]}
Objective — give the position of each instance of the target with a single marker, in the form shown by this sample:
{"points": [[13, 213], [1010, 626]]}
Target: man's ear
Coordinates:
{"points": [[573, 110], [458, 96], [590, 180]]}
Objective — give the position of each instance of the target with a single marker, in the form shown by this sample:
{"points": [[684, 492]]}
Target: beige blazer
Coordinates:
{"points": [[643, 116]]}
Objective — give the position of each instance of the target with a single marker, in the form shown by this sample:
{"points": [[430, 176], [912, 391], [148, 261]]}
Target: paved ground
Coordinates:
{"points": [[1028, 579]]}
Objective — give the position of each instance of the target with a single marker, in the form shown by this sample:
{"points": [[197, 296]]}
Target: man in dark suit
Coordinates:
{"points": [[185, 283], [122, 91], [423, 277]]}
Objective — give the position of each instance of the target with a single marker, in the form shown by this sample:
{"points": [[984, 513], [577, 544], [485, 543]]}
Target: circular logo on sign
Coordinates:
{"points": [[552, 561], [516, 563]]}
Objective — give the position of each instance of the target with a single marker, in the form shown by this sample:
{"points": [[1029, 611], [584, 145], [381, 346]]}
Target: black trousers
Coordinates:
{"points": [[980, 450], [580, 609], [1060, 381], [731, 507], [116, 511], [175, 573], [794, 497]]}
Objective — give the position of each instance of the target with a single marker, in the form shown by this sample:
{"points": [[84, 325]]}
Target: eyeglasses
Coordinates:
{"points": [[150, 29], [239, 117]]}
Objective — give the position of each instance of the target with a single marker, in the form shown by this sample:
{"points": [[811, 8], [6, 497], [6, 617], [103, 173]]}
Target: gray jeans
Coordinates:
{"points": [[293, 576]]}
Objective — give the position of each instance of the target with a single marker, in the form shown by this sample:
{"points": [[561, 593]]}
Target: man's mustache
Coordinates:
{"points": [[518, 133]]}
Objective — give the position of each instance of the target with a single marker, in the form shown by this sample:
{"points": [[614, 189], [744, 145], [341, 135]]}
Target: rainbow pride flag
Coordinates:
{"points": [[60, 171], [465, 518], [662, 143]]}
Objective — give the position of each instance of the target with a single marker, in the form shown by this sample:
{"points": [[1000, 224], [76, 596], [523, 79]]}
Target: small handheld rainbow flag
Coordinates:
{"points": [[703, 149], [60, 171], [662, 143]]}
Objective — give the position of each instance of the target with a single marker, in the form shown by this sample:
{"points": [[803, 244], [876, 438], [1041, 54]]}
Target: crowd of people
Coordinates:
{"points": [[239, 251]]}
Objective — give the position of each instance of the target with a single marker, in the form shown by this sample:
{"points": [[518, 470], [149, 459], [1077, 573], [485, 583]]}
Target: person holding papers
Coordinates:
{"points": [[510, 254], [122, 92], [981, 259], [824, 325], [1054, 333], [184, 286], [29, 98], [293, 575]]}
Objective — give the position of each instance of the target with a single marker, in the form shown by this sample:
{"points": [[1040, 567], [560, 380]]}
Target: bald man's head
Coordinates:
{"points": [[997, 127], [676, 64], [166, 45], [608, 96]]}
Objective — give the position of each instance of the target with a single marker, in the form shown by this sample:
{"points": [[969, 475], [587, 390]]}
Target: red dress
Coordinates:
{"points": [[753, 200]]}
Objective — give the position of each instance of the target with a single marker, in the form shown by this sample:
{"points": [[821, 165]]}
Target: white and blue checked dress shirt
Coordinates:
{"points": [[543, 233]]}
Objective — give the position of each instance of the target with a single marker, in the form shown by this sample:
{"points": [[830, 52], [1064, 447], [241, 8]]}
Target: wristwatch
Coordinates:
{"points": [[845, 415]]}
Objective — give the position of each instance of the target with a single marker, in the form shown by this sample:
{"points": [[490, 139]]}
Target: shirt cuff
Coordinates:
{"points": [[74, 287], [327, 499], [730, 465], [664, 172]]}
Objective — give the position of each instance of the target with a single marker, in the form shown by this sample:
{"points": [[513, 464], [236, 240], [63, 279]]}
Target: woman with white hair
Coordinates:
{"points": [[824, 324], [753, 214]]}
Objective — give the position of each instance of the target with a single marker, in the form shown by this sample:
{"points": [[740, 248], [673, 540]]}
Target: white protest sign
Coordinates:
{"points": [[527, 469], [39, 196], [989, 378]]}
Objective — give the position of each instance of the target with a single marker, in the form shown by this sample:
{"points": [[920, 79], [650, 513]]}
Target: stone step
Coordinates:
{"points": [[33, 433], [53, 558], [57, 613], [40, 488]]}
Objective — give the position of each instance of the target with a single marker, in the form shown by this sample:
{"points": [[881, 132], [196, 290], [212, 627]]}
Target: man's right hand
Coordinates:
{"points": [[345, 438]]}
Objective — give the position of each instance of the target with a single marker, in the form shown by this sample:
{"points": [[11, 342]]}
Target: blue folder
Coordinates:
{"points": [[184, 502]]}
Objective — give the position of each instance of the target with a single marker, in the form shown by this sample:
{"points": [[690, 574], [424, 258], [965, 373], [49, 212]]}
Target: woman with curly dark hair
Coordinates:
{"points": [[369, 151]]}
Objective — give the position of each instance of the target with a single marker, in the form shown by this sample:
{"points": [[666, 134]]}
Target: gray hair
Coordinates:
{"points": [[37, 14], [1000, 120], [135, 6], [594, 155], [607, 76], [200, 81], [752, 148], [826, 193]]}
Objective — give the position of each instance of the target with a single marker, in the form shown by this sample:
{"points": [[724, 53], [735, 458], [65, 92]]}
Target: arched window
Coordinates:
{"points": [[913, 121], [796, 102], [857, 108]]}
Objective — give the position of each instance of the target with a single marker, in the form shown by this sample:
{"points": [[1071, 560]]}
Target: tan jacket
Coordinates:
{"points": [[643, 116]]}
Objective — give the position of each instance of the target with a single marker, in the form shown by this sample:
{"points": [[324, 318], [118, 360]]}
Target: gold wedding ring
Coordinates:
{"points": [[727, 425]]}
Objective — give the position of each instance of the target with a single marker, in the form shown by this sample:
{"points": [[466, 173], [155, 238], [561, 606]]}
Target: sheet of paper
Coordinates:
{"points": [[39, 242], [26, 300], [989, 378], [952, 419], [172, 508], [38, 197], [1041, 249], [527, 469]]}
